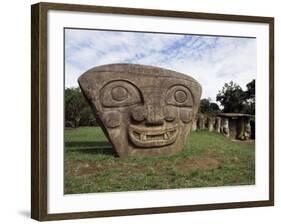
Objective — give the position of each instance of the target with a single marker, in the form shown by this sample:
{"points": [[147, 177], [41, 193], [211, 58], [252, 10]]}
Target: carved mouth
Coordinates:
{"points": [[152, 136]]}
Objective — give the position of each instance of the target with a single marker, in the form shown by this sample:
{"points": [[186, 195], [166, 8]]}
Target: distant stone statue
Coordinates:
{"points": [[247, 131], [236, 125], [194, 123], [201, 122], [143, 110], [218, 124], [211, 123], [225, 127]]}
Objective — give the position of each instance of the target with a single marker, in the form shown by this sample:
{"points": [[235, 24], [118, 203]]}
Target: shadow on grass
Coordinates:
{"points": [[79, 144], [90, 147]]}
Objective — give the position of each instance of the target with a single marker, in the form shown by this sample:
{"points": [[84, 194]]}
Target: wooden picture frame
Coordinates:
{"points": [[39, 110]]}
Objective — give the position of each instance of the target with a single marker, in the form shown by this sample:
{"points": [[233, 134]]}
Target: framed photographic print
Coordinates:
{"points": [[139, 111]]}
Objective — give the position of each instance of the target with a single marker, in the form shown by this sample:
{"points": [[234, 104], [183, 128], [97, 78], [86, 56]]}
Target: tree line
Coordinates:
{"points": [[77, 110], [232, 99]]}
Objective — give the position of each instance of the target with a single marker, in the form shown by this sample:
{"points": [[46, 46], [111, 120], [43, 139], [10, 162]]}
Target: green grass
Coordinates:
{"points": [[209, 159]]}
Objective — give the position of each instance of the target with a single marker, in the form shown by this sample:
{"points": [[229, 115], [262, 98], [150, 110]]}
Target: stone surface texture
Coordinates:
{"points": [[143, 110]]}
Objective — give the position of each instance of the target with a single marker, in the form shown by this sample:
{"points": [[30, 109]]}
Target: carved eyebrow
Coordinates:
{"points": [[130, 94], [171, 97]]}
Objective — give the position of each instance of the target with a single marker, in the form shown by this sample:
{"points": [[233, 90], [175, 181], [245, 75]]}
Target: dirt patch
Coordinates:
{"points": [[204, 162], [184, 165], [80, 168]]}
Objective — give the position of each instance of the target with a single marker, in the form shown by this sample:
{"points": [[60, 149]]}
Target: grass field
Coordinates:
{"points": [[208, 159]]}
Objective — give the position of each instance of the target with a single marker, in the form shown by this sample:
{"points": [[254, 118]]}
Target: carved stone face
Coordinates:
{"points": [[143, 110]]}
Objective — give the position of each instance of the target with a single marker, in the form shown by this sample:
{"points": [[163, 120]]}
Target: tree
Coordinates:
{"points": [[251, 89], [86, 117], [251, 97], [235, 100], [74, 105], [232, 98], [206, 106], [214, 108]]}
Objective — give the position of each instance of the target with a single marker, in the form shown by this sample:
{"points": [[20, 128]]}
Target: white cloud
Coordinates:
{"points": [[213, 61], [71, 74]]}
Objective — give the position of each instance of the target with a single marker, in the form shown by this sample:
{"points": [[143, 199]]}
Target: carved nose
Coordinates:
{"points": [[155, 115]]}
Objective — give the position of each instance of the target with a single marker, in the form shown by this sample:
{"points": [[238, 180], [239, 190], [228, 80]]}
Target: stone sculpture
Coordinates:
{"points": [[201, 122], [211, 123], [237, 125], [143, 110], [225, 127], [218, 124], [194, 123]]}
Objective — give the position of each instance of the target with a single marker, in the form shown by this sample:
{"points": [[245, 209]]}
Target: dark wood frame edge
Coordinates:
{"points": [[271, 111], [39, 110]]}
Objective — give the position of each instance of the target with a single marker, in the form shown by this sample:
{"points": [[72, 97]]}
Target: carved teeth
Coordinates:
{"points": [[136, 134], [149, 137], [169, 134], [143, 136]]}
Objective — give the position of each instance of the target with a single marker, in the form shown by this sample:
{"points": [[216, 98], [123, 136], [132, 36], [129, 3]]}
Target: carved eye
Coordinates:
{"points": [[119, 94], [180, 96]]}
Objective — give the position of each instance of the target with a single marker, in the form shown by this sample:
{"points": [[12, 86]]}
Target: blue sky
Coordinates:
{"points": [[211, 60]]}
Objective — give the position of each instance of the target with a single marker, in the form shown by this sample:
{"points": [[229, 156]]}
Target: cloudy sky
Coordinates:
{"points": [[211, 60]]}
